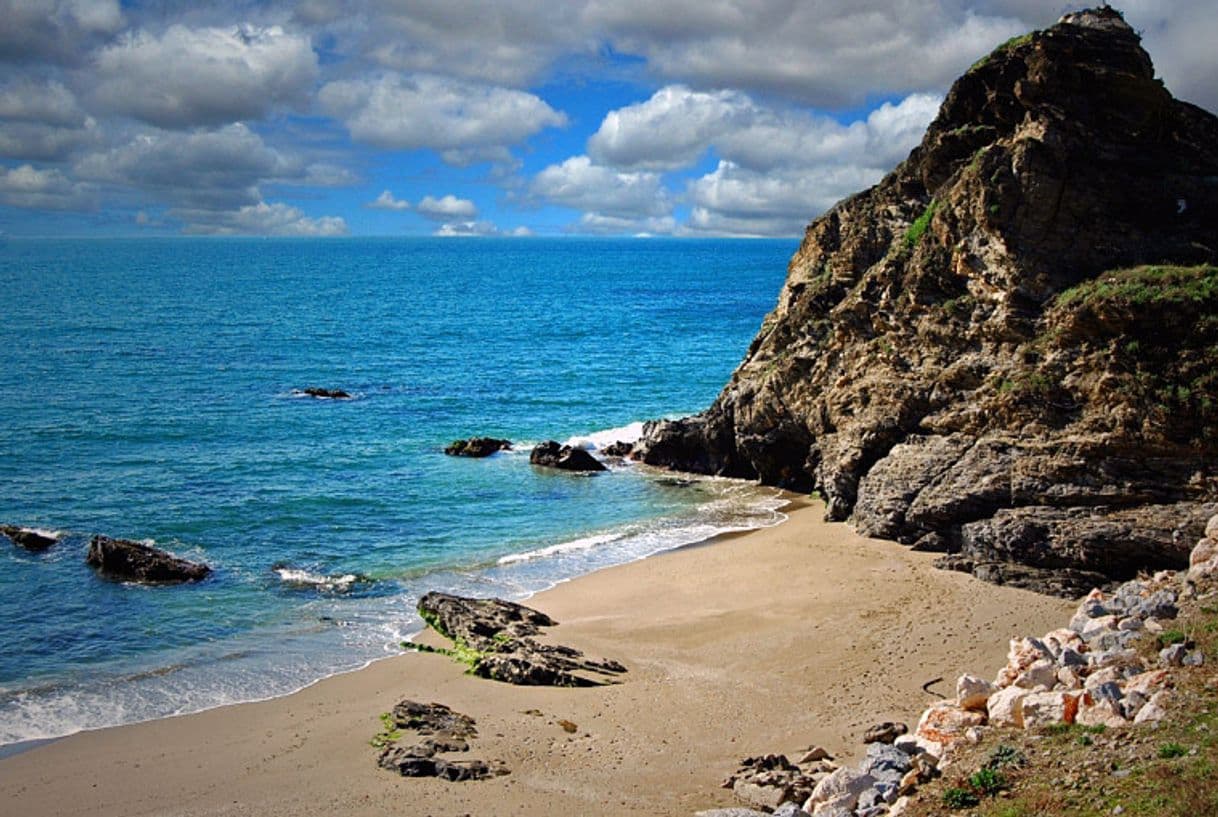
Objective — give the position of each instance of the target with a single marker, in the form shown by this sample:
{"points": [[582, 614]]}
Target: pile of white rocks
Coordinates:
{"points": [[1086, 673]]}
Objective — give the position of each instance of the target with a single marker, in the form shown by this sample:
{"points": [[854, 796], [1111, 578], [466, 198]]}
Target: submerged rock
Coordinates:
{"points": [[29, 538], [496, 638], [326, 394], [477, 447], [135, 561], [567, 458]]}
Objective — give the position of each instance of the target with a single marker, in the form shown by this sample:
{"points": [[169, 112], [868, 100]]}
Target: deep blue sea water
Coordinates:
{"points": [[149, 390]]}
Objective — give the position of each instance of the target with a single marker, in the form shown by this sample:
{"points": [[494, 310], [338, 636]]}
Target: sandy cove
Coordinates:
{"points": [[764, 642]]}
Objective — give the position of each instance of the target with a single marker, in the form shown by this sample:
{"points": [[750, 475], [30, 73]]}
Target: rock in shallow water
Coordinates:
{"points": [[564, 457], [326, 394], [477, 447], [28, 538], [135, 561]]}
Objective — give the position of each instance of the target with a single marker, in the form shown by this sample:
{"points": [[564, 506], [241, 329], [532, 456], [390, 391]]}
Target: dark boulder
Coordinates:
{"points": [[477, 447], [28, 538], [885, 732], [567, 458], [496, 638], [618, 449], [326, 394], [444, 731], [134, 561]]}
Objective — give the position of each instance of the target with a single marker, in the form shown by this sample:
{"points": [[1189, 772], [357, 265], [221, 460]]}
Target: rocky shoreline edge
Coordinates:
{"points": [[1088, 673]]}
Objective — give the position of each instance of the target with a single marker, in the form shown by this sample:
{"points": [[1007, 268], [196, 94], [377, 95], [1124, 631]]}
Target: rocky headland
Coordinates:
{"points": [[1006, 350]]}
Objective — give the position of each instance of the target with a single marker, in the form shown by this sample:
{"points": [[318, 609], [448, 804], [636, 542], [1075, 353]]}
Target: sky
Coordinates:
{"points": [[505, 117]]}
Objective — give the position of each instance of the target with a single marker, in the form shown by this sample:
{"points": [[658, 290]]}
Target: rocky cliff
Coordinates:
{"points": [[1006, 350]]}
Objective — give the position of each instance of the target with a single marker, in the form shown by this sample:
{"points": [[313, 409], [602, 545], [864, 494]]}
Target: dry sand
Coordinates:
{"points": [[765, 642]]}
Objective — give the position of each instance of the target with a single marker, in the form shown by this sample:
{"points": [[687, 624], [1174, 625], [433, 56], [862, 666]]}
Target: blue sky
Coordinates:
{"points": [[515, 117]]}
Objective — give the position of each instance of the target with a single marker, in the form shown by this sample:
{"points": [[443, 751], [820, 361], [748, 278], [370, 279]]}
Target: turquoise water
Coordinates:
{"points": [[149, 390]]}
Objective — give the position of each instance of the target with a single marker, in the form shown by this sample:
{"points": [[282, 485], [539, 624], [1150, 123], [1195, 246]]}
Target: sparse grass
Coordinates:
{"points": [[1138, 286], [957, 797], [1014, 42], [918, 228], [1169, 637], [388, 734], [1169, 750]]}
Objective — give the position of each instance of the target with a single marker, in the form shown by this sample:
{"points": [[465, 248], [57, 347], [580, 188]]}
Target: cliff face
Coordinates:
{"points": [[1008, 348]]}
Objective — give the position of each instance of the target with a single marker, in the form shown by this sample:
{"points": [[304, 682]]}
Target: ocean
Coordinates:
{"points": [[151, 389]]}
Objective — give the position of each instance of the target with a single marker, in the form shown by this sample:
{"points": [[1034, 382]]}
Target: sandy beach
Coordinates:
{"points": [[764, 642]]}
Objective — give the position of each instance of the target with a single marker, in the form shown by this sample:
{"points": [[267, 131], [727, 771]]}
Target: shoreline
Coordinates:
{"points": [[747, 643]]}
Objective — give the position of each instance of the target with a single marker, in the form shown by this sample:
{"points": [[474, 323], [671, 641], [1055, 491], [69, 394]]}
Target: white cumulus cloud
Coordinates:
{"points": [[275, 219], [386, 201], [583, 185], [204, 76], [57, 31], [447, 208], [456, 118], [45, 189]]}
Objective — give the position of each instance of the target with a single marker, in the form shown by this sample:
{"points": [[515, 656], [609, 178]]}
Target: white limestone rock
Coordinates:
{"points": [[972, 692], [1047, 708], [1006, 707]]}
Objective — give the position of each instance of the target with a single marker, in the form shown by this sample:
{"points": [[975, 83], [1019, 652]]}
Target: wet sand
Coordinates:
{"points": [[763, 642]]}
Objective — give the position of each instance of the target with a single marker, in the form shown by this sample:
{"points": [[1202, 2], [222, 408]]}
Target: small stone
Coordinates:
{"points": [[1211, 527], [731, 812], [884, 762], [972, 692], [1153, 625], [843, 788], [1068, 678], [1193, 659], [1148, 683], [1097, 626], [1110, 691], [1047, 708], [943, 724], [759, 796], [814, 754], [1006, 707], [568, 726], [1130, 624], [1173, 656], [885, 732], [790, 810], [1100, 712], [1103, 676], [1155, 709], [1042, 675]]}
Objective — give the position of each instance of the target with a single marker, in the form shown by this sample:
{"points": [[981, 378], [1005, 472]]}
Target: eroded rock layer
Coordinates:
{"points": [[1017, 328]]}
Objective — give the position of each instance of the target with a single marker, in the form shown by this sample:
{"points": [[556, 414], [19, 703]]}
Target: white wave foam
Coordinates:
{"points": [[295, 576], [596, 440], [583, 543]]}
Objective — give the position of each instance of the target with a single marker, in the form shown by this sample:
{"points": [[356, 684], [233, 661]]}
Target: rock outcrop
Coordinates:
{"points": [[326, 394], [496, 638], [1017, 327], [443, 732], [477, 447], [565, 457], [134, 561], [29, 538]]}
